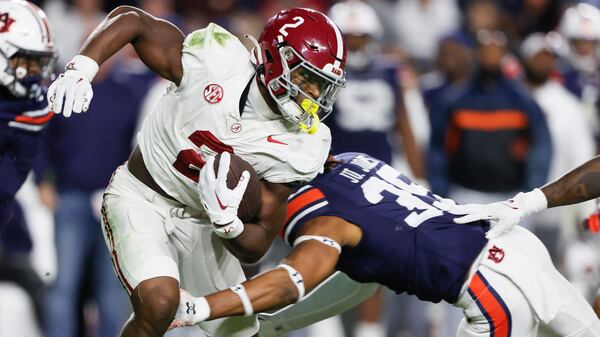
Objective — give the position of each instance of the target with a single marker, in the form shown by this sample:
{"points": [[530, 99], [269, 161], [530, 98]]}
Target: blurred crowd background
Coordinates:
{"points": [[476, 99]]}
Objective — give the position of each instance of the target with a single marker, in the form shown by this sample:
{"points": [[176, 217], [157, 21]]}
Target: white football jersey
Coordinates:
{"points": [[201, 117]]}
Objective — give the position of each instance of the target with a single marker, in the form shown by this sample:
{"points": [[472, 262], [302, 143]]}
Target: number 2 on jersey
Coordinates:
{"points": [[406, 193], [189, 162]]}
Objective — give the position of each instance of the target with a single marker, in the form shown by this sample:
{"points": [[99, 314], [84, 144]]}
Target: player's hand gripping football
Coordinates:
{"points": [[503, 215], [72, 91], [221, 203]]}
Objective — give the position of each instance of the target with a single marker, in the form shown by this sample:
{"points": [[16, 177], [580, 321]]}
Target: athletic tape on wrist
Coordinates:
{"points": [[202, 308], [85, 65], [296, 278], [322, 239], [538, 200], [239, 290]]}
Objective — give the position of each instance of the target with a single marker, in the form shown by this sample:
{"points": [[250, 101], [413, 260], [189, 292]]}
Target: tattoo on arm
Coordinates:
{"points": [[578, 185]]}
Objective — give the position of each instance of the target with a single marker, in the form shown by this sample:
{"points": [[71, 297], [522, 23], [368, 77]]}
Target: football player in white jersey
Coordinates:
{"points": [[160, 211]]}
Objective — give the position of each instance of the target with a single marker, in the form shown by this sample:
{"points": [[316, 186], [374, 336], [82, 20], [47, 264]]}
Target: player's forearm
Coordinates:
{"points": [[578, 185], [257, 237], [271, 290], [252, 244], [122, 26]]}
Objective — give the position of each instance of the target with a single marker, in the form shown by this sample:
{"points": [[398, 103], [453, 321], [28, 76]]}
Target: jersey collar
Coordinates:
{"points": [[258, 103]]}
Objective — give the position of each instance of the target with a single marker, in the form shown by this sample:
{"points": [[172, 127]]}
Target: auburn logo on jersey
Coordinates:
{"points": [[5, 22], [496, 254]]}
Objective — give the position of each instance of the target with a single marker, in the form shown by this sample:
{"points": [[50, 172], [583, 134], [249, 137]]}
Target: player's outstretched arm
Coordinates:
{"points": [[579, 185], [157, 42], [309, 263]]}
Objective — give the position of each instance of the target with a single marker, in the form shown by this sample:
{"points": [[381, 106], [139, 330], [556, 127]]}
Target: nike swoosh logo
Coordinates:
{"points": [[509, 206], [270, 139], [223, 207]]}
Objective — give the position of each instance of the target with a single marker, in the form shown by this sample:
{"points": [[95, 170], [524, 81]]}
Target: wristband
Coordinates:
{"points": [[296, 278], [85, 65], [200, 309], [239, 290], [229, 231], [534, 201]]}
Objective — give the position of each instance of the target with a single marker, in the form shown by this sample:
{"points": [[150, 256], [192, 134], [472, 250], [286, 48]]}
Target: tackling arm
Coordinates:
{"points": [[313, 259], [157, 42], [310, 262]]}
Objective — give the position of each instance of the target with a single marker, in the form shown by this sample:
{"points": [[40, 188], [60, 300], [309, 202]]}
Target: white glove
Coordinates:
{"points": [[72, 88], [504, 215], [221, 203]]}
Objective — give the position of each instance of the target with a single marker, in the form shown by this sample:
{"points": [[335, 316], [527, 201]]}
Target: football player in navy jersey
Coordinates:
{"points": [[367, 220], [370, 115], [27, 57]]}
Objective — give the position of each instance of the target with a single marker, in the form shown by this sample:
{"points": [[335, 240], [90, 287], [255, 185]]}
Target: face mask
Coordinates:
{"points": [[586, 64], [360, 59], [32, 86], [536, 78]]}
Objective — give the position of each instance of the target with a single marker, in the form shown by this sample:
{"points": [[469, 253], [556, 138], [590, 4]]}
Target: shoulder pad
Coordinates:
{"points": [[220, 51]]}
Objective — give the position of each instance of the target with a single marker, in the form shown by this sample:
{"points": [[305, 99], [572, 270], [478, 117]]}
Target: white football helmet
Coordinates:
{"points": [[581, 22], [27, 52], [357, 18]]}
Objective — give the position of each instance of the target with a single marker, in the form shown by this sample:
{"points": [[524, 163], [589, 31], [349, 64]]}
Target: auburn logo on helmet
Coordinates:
{"points": [[5, 22]]}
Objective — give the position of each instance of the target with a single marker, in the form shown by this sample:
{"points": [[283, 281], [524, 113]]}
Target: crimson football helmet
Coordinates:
{"points": [[305, 43]]}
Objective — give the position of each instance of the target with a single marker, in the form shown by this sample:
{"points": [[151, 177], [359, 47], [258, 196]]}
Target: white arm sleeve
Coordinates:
{"points": [[322, 239]]}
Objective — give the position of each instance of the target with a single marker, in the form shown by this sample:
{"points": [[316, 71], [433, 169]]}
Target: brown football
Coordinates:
{"points": [[250, 204]]}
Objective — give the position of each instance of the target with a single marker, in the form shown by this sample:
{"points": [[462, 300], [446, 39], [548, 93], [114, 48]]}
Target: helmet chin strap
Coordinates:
{"points": [[256, 57]]}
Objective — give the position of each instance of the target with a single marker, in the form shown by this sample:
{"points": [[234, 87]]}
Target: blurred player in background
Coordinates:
{"points": [[159, 214], [27, 58], [370, 115], [580, 28], [568, 125], [369, 221]]}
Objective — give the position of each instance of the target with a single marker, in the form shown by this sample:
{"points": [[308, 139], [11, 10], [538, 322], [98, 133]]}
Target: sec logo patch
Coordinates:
{"points": [[213, 93]]}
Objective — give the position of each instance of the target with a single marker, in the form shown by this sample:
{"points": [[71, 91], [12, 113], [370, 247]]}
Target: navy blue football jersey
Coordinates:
{"points": [[409, 240], [21, 120], [25, 113]]}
